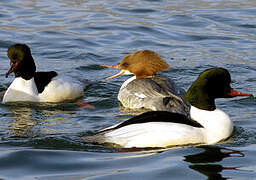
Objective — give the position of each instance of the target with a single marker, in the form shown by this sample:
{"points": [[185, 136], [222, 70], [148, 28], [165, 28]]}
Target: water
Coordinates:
{"points": [[42, 141]]}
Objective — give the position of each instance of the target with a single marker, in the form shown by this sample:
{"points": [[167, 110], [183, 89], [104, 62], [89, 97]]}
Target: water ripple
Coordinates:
{"points": [[43, 141]]}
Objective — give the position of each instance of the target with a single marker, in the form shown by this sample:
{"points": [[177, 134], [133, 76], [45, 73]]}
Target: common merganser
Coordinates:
{"points": [[30, 85], [207, 124], [146, 89]]}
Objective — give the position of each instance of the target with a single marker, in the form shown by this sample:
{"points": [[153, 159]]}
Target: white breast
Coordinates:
{"points": [[127, 82], [217, 124], [21, 90]]}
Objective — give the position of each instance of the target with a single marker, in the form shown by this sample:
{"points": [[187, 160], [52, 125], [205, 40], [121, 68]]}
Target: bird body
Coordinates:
{"points": [[30, 85], [206, 124], [146, 89]]}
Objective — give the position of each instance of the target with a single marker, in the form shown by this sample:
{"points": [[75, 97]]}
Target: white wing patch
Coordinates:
{"points": [[140, 95]]}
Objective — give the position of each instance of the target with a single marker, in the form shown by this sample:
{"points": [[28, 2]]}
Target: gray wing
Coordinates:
{"points": [[157, 93], [169, 85]]}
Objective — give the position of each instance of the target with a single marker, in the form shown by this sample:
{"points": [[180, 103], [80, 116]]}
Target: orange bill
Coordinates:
{"points": [[116, 67], [116, 75], [234, 93], [111, 66], [13, 67]]}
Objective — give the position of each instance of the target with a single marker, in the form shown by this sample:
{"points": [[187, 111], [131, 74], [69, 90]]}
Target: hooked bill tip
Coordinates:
{"points": [[7, 74], [234, 93]]}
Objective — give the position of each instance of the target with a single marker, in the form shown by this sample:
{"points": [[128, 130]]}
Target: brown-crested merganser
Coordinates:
{"points": [[207, 125], [33, 86], [146, 89]]}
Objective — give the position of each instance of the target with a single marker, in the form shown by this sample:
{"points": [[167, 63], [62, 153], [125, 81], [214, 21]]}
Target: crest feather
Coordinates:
{"points": [[144, 63]]}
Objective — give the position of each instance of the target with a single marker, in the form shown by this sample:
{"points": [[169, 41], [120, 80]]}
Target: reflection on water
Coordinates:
{"points": [[212, 171], [205, 162], [26, 119], [212, 154], [22, 122]]}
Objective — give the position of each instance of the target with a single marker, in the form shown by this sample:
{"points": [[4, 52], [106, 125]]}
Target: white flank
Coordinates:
{"points": [[216, 127], [61, 88], [155, 134]]}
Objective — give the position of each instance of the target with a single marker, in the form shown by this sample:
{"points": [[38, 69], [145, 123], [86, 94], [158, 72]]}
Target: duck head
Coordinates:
{"points": [[211, 84], [142, 64], [21, 61]]}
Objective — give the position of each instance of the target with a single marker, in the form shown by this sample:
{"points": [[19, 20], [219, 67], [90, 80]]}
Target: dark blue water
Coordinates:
{"points": [[42, 141]]}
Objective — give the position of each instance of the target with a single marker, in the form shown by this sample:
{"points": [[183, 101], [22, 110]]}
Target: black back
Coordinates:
{"points": [[42, 79], [160, 116]]}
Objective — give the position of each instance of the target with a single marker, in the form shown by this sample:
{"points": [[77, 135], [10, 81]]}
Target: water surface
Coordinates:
{"points": [[42, 141]]}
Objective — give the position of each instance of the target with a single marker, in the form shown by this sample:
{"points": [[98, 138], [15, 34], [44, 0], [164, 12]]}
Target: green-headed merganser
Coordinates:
{"points": [[207, 124], [146, 89], [33, 86]]}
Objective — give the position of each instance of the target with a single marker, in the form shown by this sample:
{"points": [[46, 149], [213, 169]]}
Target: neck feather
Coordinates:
{"points": [[127, 82], [197, 97], [217, 124]]}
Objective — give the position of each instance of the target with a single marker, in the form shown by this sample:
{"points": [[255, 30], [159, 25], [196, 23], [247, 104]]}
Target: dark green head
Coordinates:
{"points": [[21, 61], [211, 84]]}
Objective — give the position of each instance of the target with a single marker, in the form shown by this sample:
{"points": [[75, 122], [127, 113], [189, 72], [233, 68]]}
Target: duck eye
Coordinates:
{"points": [[14, 56]]}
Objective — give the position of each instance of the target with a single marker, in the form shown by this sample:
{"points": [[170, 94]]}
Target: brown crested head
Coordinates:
{"points": [[143, 63]]}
